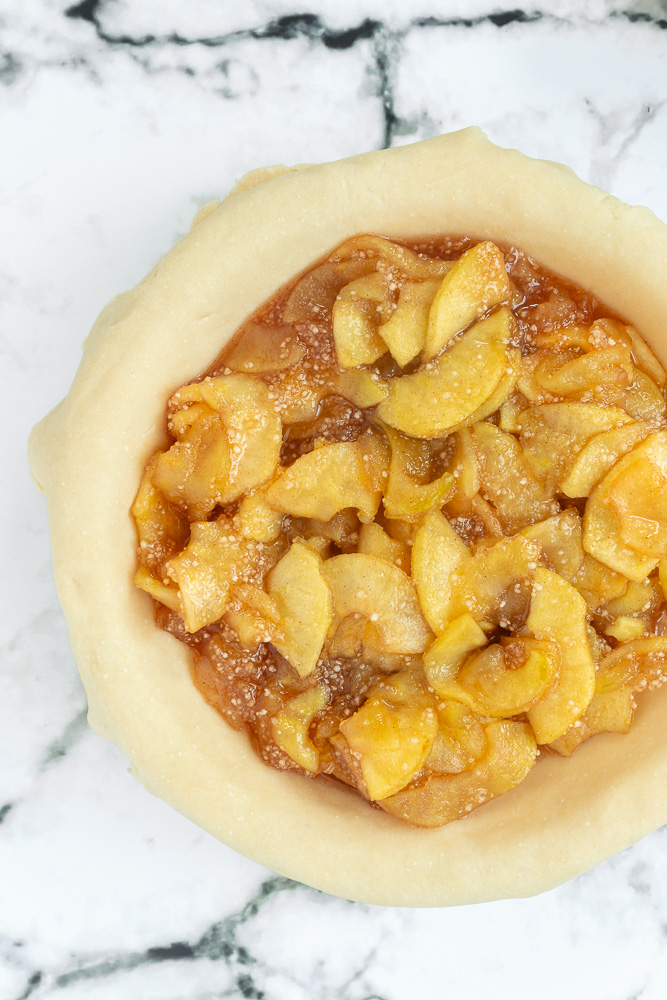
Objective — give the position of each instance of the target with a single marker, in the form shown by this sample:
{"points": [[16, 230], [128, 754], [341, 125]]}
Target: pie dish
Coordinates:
{"points": [[89, 453]]}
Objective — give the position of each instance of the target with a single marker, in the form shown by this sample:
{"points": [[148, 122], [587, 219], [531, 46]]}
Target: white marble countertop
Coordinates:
{"points": [[118, 118]]}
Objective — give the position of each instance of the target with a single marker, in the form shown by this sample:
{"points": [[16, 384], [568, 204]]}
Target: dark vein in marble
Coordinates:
{"points": [[69, 737], [218, 943], [31, 986], [5, 810]]}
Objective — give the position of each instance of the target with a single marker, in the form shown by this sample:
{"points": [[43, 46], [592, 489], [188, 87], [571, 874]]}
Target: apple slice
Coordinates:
{"points": [[290, 727], [404, 333], [459, 742], [511, 753], [625, 521], [444, 657], [194, 473], [374, 541], [442, 395], [384, 595], [355, 321], [507, 480], [206, 569], [558, 615], [599, 454], [325, 481], [391, 736], [477, 282], [438, 553], [305, 605], [403, 497], [264, 349]]}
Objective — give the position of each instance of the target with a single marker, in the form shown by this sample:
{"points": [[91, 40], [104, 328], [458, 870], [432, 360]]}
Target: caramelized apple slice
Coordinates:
{"points": [[305, 605], [355, 321], [486, 583], [506, 679], [253, 615], [553, 434], [391, 735], [609, 367], [384, 595], [507, 479], [256, 519], [290, 727], [404, 333], [444, 657], [459, 742], [558, 615], [559, 537], [413, 264], [161, 530], [404, 498], [610, 712], [599, 454], [477, 282], [444, 394], [324, 481], [510, 754], [253, 427], [625, 522], [205, 571], [639, 663], [361, 386], [157, 589], [437, 554], [264, 349], [194, 473], [374, 541]]}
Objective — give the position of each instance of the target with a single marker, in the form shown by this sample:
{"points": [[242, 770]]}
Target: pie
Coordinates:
{"points": [[500, 675]]}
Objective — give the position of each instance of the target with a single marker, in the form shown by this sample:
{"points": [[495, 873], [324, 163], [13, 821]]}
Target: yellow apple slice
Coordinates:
{"points": [[324, 481], [413, 264], [264, 349], [403, 497], [506, 679], [607, 367], [206, 570], [391, 736], [553, 434], [559, 537], [599, 454], [510, 755], [445, 393], [485, 583], [290, 727], [625, 521], [444, 657], [639, 663], [374, 541], [438, 553], [305, 604], [459, 742], [384, 595], [507, 480], [610, 712], [361, 386], [193, 474], [558, 615], [161, 529], [404, 333], [477, 282], [355, 321], [160, 591]]}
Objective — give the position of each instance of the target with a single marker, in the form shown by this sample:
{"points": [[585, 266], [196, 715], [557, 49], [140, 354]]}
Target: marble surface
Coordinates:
{"points": [[118, 119]]}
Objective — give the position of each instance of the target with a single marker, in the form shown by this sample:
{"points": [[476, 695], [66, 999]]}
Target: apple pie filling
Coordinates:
{"points": [[413, 523]]}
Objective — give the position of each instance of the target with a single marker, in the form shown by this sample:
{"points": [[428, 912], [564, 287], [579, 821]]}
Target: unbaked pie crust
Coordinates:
{"points": [[89, 453]]}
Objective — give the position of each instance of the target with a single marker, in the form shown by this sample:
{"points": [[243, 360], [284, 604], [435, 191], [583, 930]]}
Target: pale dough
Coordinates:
{"points": [[89, 452]]}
